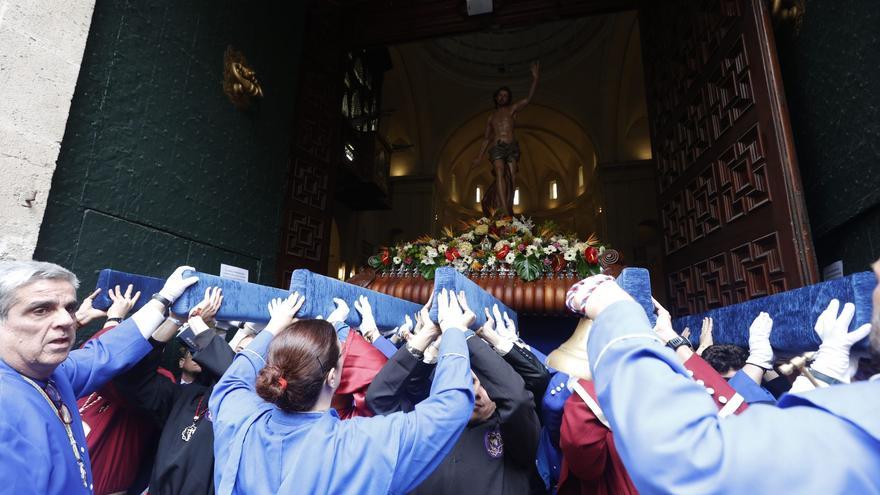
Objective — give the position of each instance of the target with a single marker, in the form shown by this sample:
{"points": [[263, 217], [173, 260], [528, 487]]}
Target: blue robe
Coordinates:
{"points": [[35, 453], [259, 449], [671, 439]]}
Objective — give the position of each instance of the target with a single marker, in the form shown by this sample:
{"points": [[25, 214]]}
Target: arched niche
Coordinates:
{"points": [[553, 146]]}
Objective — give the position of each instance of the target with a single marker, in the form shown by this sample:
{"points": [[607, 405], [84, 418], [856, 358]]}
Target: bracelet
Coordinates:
{"points": [[175, 321], [162, 299], [115, 318]]}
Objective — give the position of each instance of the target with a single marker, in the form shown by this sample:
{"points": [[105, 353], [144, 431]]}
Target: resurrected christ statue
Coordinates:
{"points": [[504, 153]]}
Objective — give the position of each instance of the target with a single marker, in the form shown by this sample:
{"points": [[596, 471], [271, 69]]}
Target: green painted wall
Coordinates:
{"points": [[832, 76], [157, 168]]}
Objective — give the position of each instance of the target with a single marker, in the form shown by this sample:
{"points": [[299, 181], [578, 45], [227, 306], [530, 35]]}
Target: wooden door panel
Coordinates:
{"points": [[731, 208], [315, 149]]}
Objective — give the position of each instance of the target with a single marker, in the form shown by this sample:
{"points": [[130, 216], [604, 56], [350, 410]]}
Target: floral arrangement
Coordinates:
{"points": [[506, 245]]}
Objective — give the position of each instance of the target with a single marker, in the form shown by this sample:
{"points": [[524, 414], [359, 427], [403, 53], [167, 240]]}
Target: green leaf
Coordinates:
{"points": [[428, 271], [583, 268], [375, 262], [528, 268]]}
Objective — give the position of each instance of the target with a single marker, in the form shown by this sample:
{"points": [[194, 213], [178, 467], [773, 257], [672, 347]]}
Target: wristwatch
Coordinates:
{"points": [[676, 342]]}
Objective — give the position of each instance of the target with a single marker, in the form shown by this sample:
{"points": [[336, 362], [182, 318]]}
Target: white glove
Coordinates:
{"points": [[368, 326], [760, 351], [340, 313], [283, 312], [833, 357], [176, 284]]}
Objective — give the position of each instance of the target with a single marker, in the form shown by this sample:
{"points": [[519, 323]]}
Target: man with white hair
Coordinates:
{"points": [[41, 434], [668, 431]]}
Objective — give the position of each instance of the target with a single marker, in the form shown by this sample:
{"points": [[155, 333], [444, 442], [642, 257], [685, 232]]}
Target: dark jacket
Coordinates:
{"points": [[535, 375], [495, 456], [180, 467]]}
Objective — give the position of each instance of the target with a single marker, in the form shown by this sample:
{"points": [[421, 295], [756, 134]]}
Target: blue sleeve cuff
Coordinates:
{"points": [[751, 391], [342, 330], [385, 347]]}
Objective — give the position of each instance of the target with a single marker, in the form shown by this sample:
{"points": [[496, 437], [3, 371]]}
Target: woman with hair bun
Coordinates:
{"points": [[275, 431]]}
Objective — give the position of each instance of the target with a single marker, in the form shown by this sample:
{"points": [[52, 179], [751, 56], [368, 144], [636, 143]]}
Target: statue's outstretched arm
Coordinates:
{"points": [[535, 70]]}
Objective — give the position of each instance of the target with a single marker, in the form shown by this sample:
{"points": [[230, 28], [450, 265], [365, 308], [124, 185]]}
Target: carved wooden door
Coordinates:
{"points": [[734, 221], [315, 150]]}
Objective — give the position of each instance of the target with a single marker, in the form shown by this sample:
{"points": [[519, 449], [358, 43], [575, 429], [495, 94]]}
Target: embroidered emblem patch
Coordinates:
{"points": [[494, 444]]}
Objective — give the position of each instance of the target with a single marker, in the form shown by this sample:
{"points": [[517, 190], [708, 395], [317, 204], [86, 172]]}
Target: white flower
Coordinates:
{"points": [[510, 258], [442, 248], [563, 242], [490, 261], [468, 236], [580, 246], [407, 247], [465, 248], [537, 241], [531, 249], [570, 255], [460, 265], [396, 260], [549, 249], [427, 261], [468, 260], [431, 252], [500, 245]]}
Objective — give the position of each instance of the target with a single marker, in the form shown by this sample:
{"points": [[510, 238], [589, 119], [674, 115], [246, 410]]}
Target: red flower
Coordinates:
{"points": [[591, 254], [408, 261], [558, 263], [452, 254], [386, 257], [502, 253]]}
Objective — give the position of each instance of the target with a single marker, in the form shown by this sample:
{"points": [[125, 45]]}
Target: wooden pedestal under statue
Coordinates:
{"points": [[545, 296]]}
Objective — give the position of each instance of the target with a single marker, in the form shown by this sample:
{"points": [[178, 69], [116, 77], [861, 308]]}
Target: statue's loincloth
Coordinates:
{"points": [[508, 152]]}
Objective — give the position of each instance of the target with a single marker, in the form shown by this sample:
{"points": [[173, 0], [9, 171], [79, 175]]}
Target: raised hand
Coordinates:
{"points": [[760, 351], [122, 302], [663, 326], [283, 312], [86, 313], [487, 331], [833, 357], [450, 313], [339, 314], [175, 285], [368, 326], [462, 302], [706, 339], [208, 307], [592, 295]]}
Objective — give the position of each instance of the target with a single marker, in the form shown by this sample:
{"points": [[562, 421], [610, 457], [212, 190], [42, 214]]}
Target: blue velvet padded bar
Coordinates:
{"points": [[319, 291], [637, 283], [242, 301], [794, 314], [109, 279], [450, 279]]}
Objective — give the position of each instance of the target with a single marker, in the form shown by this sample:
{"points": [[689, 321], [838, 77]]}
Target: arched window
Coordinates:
{"points": [[478, 194], [516, 197], [554, 190]]}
